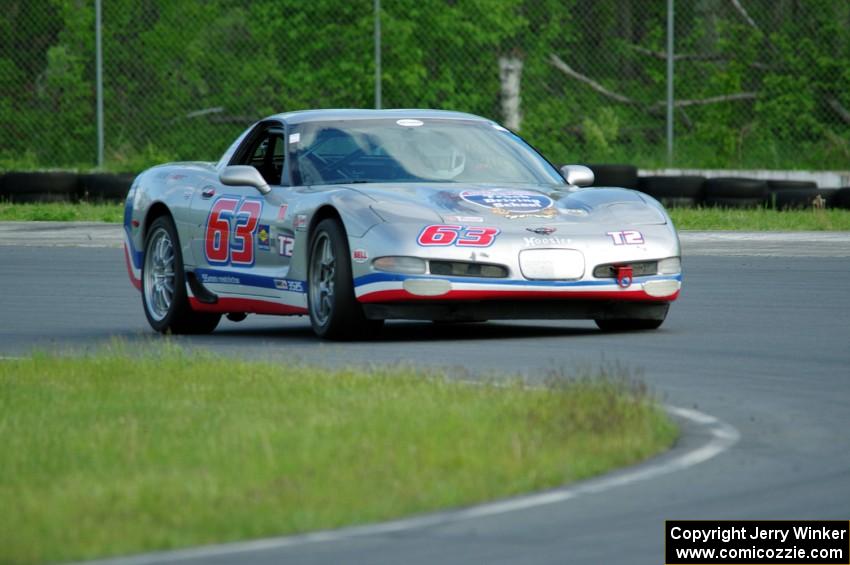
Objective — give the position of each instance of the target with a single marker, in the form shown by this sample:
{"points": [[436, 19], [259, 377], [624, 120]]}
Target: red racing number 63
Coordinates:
{"points": [[439, 235], [239, 217]]}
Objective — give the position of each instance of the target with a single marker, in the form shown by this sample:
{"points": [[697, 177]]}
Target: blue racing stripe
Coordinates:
{"points": [[215, 276], [135, 256]]}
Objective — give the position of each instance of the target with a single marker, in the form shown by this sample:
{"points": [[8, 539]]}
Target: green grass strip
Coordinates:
{"points": [[759, 219], [109, 454], [62, 212]]}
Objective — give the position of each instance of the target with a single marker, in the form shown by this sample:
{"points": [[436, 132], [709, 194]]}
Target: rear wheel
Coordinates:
{"points": [[334, 310], [164, 296]]}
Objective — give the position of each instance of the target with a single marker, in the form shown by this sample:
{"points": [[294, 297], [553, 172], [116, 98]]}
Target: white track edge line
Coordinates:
{"points": [[723, 437]]}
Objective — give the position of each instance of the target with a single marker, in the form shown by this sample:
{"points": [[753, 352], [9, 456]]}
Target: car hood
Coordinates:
{"points": [[519, 206]]}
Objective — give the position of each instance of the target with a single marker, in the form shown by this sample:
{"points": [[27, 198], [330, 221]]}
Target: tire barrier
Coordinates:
{"points": [[34, 187], [797, 199], [39, 187], [107, 187], [733, 192], [778, 185], [840, 198], [683, 190], [625, 176]]}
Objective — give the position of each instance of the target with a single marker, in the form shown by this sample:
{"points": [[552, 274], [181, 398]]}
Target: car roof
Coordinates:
{"points": [[304, 116]]}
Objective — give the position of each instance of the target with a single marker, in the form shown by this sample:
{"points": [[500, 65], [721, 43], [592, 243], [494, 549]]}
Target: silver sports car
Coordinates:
{"points": [[354, 217]]}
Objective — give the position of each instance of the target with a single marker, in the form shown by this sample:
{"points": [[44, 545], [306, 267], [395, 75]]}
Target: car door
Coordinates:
{"points": [[236, 245]]}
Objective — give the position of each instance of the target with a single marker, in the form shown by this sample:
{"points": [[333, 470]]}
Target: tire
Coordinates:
{"points": [[628, 325], [661, 187], [105, 187], [774, 185], [39, 187], [334, 311], [793, 198], [730, 192], [840, 198], [624, 176], [169, 312]]}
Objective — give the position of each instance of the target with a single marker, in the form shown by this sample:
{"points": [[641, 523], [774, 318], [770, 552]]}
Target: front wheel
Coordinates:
{"points": [[334, 310], [164, 296]]}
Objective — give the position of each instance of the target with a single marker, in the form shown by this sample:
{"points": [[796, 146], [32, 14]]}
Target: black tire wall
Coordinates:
{"points": [[733, 192], [683, 190], [39, 187], [625, 176]]}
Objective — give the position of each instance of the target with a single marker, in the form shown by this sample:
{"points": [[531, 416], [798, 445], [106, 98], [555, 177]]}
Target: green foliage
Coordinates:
{"points": [[182, 79], [601, 134]]}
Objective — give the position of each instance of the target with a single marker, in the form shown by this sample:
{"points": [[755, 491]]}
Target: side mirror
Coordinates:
{"points": [[244, 175], [577, 175]]}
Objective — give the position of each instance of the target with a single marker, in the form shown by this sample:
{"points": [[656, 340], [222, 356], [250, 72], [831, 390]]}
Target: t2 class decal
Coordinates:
{"points": [[443, 235], [285, 245], [512, 204], [230, 231], [627, 237]]}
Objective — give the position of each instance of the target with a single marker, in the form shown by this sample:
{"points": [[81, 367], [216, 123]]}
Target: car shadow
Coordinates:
{"points": [[404, 331]]}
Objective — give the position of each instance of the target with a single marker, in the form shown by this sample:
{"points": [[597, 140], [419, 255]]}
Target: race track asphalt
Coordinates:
{"points": [[761, 342]]}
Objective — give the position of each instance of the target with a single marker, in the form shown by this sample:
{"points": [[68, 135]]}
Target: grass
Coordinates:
{"points": [[62, 212], [759, 219], [105, 454]]}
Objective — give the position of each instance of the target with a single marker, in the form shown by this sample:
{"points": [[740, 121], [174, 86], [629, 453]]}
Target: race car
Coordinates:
{"points": [[354, 217]]}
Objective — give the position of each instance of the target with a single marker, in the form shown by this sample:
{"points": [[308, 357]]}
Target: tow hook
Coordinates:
{"points": [[624, 276]]}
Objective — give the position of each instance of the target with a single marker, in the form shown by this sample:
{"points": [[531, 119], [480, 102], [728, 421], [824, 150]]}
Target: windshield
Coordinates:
{"points": [[414, 150]]}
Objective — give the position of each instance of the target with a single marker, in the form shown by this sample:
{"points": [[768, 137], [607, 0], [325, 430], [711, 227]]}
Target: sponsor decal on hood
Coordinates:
{"points": [[512, 204]]}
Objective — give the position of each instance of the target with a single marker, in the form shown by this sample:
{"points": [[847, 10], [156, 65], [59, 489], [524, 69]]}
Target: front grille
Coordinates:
{"points": [[639, 269], [463, 269]]}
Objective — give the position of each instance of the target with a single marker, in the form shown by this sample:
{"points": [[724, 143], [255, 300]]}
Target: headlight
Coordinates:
{"points": [[670, 266], [404, 265]]}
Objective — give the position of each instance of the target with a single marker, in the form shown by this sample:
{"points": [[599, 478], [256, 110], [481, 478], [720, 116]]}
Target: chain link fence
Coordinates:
{"points": [[756, 83]]}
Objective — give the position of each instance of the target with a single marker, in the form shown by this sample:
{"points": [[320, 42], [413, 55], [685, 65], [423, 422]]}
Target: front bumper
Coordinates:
{"points": [[387, 287]]}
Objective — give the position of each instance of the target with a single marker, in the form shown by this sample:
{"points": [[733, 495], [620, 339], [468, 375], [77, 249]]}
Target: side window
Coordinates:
{"points": [[258, 159], [278, 154], [266, 154]]}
